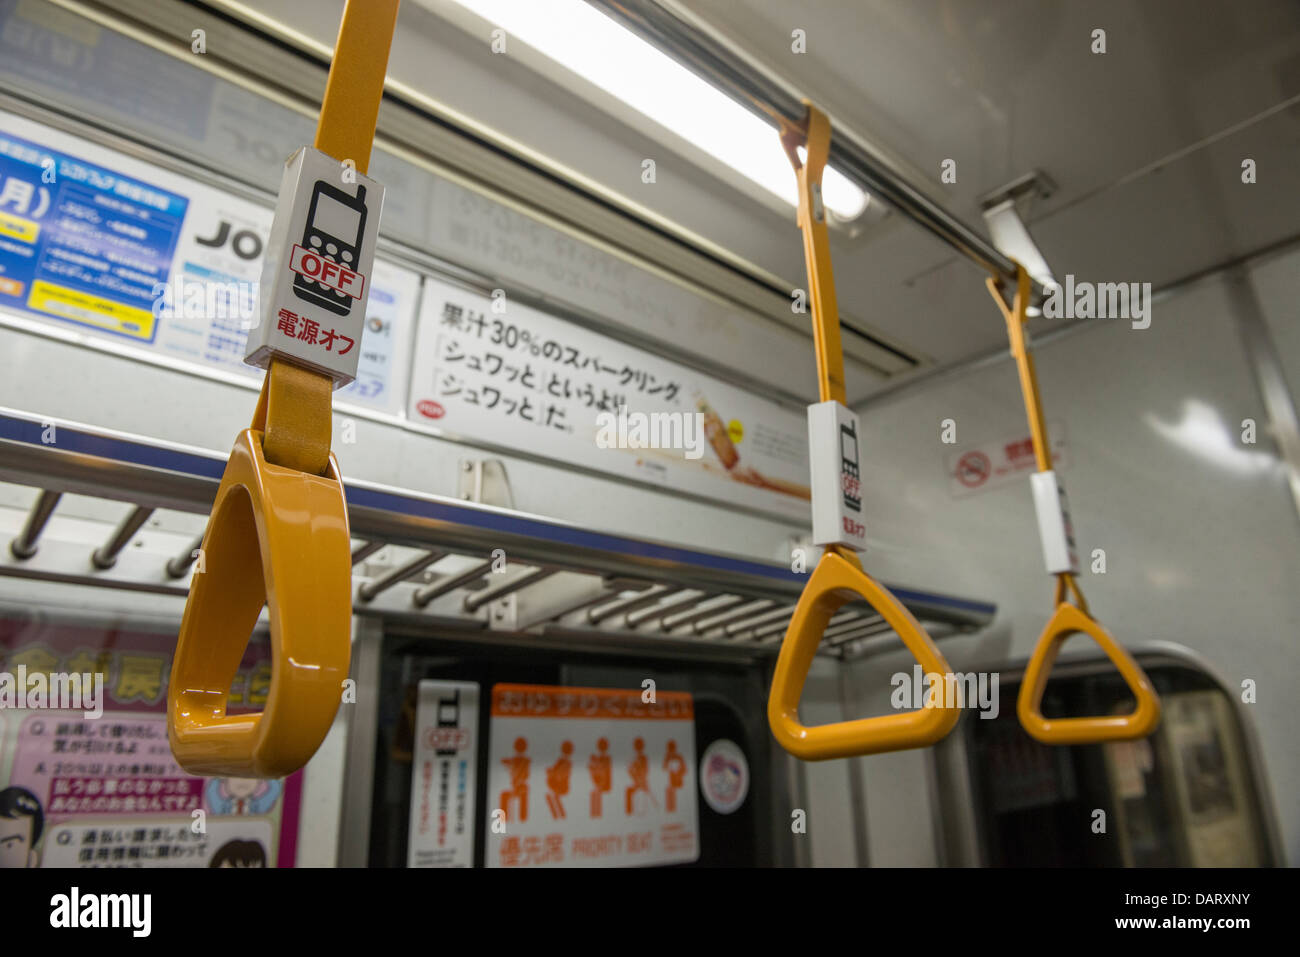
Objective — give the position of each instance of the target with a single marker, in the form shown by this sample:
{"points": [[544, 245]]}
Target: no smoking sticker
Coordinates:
{"points": [[973, 469], [989, 465], [724, 776]]}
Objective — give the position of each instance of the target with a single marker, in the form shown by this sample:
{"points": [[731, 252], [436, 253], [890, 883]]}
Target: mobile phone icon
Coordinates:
{"points": [[449, 717], [335, 224], [849, 465]]}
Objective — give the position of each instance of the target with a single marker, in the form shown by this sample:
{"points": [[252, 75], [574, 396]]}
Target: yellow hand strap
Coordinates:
{"points": [[838, 577], [1068, 619], [278, 532]]}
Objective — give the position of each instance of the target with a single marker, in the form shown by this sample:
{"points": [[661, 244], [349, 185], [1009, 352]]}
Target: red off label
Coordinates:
{"points": [[315, 266]]}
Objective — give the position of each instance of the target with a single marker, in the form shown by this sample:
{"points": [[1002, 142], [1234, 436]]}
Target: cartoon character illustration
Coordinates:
{"points": [[675, 765], [519, 764], [724, 777], [639, 771], [601, 768], [21, 823], [242, 795], [239, 853], [557, 780]]}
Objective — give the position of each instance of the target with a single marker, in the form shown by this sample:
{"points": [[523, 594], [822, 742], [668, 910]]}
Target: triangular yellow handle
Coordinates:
{"points": [[1068, 621], [276, 536], [835, 582]]}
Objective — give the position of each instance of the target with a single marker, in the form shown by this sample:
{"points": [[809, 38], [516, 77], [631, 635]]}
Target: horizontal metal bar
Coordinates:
{"points": [[840, 619], [609, 588], [24, 546], [739, 614], [660, 612], [154, 473], [844, 627], [362, 552], [369, 590], [451, 583], [863, 631], [747, 624], [886, 641], [758, 91], [625, 605], [489, 595], [722, 604], [105, 556]]}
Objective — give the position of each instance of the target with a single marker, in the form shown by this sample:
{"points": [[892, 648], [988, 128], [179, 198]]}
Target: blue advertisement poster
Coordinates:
{"points": [[82, 244]]}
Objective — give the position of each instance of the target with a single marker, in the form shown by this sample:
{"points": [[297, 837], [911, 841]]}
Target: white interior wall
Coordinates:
{"points": [[826, 783], [1200, 538]]}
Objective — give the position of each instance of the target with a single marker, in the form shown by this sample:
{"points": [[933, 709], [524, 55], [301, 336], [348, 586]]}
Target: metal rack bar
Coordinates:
{"points": [[742, 613], [779, 627], [844, 628], [776, 614], [660, 612], [370, 590], [24, 546], [105, 557], [609, 588], [688, 595], [724, 602], [761, 93], [450, 584], [625, 605], [178, 566], [489, 595], [861, 631], [362, 552]]}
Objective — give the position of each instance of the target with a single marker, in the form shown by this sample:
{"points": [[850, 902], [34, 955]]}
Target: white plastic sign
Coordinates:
{"points": [[1054, 526], [444, 760], [316, 276], [833, 432], [590, 777]]}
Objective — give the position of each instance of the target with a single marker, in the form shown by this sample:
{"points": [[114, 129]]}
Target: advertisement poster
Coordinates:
{"points": [[523, 379], [444, 767], [133, 254], [82, 243], [590, 777], [95, 785]]}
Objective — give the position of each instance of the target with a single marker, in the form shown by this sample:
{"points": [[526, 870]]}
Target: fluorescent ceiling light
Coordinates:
{"points": [[606, 54]]}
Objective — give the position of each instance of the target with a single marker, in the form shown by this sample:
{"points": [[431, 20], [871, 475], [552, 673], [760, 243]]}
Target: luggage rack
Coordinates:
{"points": [[424, 559]]}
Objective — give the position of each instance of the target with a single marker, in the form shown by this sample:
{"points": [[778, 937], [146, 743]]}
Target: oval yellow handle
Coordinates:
{"points": [[1067, 621], [835, 582], [276, 536]]}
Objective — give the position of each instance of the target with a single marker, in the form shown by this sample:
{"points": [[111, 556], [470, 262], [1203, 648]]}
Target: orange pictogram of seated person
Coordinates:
{"points": [[519, 764], [557, 780], [639, 771], [675, 765], [601, 768]]}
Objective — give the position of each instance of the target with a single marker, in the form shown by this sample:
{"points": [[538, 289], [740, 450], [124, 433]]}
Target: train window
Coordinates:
{"points": [[1186, 796], [587, 804]]}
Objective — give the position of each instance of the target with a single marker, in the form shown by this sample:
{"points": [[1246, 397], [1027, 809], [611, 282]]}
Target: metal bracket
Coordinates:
{"points": [[485, 481]]}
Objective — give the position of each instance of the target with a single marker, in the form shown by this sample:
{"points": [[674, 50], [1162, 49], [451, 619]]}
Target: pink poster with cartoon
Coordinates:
{"points": [[95, 784]]}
